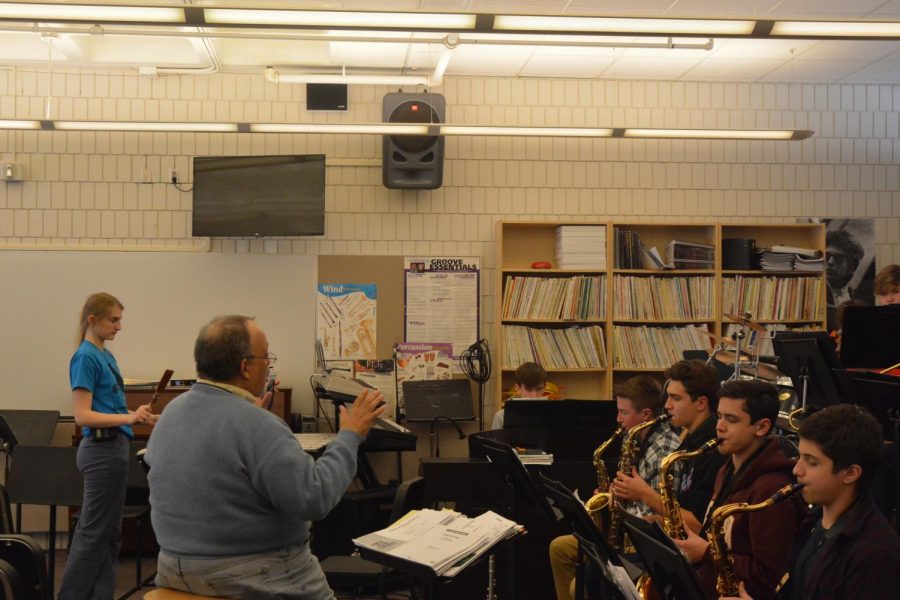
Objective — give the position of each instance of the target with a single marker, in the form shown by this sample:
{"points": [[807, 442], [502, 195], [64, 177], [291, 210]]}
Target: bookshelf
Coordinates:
{"points": [[614, 323]]}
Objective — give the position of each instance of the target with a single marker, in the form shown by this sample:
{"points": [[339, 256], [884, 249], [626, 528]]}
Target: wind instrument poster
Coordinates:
{"points": [[345, 320], [442, 300]]}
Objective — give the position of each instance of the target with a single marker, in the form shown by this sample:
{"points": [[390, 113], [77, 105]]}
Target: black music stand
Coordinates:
{"points": [[522, 491], [673, 576], [585, 529], [437, 401], [804, 360], [48, 476]]}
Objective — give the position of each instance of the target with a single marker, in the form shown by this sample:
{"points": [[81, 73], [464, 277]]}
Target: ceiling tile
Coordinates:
{"points": [[825, 71], [731, 69], [849, 50]]}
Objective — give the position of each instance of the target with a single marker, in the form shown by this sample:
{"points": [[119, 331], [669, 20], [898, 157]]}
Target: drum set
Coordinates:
{"points": [[742, 351]]}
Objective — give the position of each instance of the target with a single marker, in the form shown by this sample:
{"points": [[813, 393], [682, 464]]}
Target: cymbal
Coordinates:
{"points": [[761, 370], [745, 321], [719, 340]]}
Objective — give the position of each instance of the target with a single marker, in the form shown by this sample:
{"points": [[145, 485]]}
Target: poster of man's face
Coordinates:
{"points": [[849, 264]]}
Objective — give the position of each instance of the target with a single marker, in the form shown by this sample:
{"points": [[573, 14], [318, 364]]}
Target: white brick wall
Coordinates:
{"points": [[87, 188]]}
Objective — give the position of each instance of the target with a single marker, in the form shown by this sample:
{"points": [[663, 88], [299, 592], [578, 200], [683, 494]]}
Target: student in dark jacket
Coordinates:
{"points": [[759, 541], [845, 547]]}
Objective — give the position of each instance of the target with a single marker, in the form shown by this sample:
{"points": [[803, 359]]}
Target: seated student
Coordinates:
{"points": [[845, 548], [887, 285], [759, 541], [638, 400], [691, 401], [530, 381]]}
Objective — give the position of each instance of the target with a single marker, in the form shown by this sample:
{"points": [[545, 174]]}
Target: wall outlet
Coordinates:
{"points": [[173, 175], [11, 171]]}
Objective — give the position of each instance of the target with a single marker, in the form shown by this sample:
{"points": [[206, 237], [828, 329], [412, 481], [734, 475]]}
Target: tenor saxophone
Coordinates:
{"points": [[672, 523], [726, 582], [627, 461], [600, 500]]}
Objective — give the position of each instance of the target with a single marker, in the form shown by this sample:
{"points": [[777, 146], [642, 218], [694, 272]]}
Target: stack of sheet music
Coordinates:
{"points": [[791, 258], [535, 458], [444, 540], [581, 247]]}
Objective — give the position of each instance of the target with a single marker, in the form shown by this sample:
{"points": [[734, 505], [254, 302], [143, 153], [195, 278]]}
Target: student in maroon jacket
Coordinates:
{"points": [[759, 541], [845, 547]]}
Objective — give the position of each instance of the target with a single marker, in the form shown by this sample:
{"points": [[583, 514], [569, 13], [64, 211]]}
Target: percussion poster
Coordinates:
{"points": [[345, 320], [442, 299], [422, 361]]}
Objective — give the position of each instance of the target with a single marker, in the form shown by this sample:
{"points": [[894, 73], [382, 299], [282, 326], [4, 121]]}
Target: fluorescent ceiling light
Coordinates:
{"points": [[836, 29], [314, 18], [144, 126], [87, 12], [721, 134], [13, 124], [377, 128], [623, 25], [526, 131], [357, 79]]}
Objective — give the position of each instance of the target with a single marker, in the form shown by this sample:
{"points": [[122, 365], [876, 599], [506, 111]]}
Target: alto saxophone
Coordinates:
{"points": [[600, 500], [672, 522], [726, 582], [627, 461]]}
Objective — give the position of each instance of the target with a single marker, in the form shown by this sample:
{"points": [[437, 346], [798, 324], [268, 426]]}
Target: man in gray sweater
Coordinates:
{"points": [[231, 491]]}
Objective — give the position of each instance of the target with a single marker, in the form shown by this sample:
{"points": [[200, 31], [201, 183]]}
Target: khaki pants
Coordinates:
{"points": [[563, 561]]}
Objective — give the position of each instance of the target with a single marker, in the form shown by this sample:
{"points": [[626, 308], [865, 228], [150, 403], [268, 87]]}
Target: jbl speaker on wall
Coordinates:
{"points": [[413, 161]]}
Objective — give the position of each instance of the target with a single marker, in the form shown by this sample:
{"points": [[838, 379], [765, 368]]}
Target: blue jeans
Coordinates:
{"points": [[289, 573], [90, 571]]}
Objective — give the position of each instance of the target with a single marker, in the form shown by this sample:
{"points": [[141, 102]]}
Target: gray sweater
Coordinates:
{"points": [[228, 478]]}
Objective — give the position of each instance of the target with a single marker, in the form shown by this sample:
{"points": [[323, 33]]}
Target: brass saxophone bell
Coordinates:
{"points": [[596, 505]]}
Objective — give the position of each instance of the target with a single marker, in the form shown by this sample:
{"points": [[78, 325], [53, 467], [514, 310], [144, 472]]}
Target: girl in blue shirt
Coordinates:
{"points": [[99, 407]]}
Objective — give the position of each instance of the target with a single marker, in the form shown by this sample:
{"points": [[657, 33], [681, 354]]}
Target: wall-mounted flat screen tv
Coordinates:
{"points": [[259, 195]]}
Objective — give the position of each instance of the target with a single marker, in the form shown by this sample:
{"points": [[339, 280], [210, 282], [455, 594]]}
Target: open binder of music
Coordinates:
{"points": [[440, 542]]}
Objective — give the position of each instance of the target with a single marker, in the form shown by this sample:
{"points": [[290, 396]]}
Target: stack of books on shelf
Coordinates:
{"points": [[581, 297], [663, 298], [690, 255], [791, 258], [628, 249], [656, 347], [444, 541], [554, 348], [774, 298], [762, 343], [581, 247]]}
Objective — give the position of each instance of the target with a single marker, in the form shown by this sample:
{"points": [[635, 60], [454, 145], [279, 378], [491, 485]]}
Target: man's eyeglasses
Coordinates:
{"points": [[270, 357]]}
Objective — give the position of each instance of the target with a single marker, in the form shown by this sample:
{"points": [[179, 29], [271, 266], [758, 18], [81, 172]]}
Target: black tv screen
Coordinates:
{"points": [[259, 195]]}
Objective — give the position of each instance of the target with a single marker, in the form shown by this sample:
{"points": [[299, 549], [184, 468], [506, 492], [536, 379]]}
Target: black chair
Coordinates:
{"points": [[10, 582], [27, 558], [357, 573]]}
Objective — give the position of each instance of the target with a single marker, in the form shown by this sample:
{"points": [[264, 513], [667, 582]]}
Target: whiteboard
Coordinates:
{"points": [[168, 296]]}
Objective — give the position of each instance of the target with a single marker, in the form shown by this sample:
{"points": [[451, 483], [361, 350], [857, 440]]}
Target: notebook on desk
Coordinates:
{"points": [[445, 398]]}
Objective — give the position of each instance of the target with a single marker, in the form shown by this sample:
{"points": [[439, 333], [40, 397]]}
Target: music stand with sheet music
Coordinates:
{"points": [[803, 359], [522, 491], [437, 401], [674, 578], [583, 527]]}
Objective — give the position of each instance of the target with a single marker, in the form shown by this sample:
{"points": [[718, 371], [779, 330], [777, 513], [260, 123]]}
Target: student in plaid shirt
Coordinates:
{"points": [[638, 400]]}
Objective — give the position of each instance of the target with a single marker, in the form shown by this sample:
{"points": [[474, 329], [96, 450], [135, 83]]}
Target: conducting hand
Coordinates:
{"points": [[630, 487], [694, 547], [367, 407]]}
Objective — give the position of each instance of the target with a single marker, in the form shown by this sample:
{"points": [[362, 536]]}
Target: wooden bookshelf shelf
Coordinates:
{"points": [[774, 273], [555, 321], [665, 272], [664, 321], [519, 244]]}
